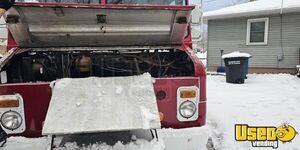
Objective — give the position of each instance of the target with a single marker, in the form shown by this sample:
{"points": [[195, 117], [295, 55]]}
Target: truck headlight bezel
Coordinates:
{"points": [[11, 120], [188, 100], [12, 114], [187, 109]]}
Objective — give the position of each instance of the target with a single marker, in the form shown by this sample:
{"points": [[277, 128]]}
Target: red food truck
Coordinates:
{"points": [[51, 40]]}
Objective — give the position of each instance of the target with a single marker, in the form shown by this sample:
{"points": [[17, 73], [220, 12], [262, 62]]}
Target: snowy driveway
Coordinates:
{"points": [[264, 100]]}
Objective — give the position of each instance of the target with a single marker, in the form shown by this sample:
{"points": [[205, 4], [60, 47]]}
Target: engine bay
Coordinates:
{"points": [[40, 65]]}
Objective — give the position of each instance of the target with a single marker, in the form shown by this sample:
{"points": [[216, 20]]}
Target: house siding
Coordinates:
{"points": [[230, 35]]}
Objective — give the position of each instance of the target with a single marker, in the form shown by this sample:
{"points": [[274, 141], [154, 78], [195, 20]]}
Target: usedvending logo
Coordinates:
{"points": [[265, 136]]}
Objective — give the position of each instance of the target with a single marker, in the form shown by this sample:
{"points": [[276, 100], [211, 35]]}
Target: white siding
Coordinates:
{"points": [[230, 35], [3, 31]]}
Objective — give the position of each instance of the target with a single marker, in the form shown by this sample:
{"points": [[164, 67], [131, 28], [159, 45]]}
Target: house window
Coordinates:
{"points": [[257, 31]]}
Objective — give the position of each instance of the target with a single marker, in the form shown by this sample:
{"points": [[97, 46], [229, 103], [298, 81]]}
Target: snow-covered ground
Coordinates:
{"points": [[264, 100], [21, 143], [170, 139]]}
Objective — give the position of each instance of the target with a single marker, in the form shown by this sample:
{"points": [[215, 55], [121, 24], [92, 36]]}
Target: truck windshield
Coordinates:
{"points": [[153, 2]]}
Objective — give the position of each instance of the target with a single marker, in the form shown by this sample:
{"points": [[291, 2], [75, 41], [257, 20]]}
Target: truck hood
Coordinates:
{"points": [[70, 25]]}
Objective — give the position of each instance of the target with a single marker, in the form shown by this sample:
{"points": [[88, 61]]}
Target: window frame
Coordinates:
{"points": [[266, 33]]}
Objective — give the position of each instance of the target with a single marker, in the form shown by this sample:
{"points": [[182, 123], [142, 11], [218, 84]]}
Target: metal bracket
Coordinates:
{"points": [[154, 135], [3, 137], [50, 139]]}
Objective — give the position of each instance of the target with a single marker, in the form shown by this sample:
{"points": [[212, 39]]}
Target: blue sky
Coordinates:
{"points": [[209, 5]]}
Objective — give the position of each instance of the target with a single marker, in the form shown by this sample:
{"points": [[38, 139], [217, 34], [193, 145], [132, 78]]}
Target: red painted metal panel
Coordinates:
{"points": [[36, 98], [37, 95], [188, 39], [168, 106], [11, 43]]}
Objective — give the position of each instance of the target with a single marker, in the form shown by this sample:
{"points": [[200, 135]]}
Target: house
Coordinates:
{"points": [[2, 46], [3, 36], [3, 30], [267, 29]]}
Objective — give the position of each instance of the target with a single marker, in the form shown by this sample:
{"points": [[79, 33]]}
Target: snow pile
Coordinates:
{"points": [[235, 55], [22, 143], [169, 139], [185, 139], [137, 145], [260, 7], [147, 117], [266, 100], [119, 89], [62, 83]]}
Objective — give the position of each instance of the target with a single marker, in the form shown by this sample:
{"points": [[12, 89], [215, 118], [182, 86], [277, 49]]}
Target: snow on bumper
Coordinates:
{"points": [[185, 139], [91, 105]]}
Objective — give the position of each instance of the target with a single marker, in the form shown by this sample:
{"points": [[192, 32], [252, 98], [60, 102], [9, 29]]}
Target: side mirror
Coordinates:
{"points": [[196, 15]]}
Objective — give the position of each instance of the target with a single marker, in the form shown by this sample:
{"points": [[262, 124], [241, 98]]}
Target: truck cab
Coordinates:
{"points": [[55, 39]]}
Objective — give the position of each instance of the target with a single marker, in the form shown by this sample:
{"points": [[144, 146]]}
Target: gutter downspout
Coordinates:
{"points": [[280, 57], [281, 9]]}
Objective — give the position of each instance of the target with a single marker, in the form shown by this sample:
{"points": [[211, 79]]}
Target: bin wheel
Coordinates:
{"points": [[240, 81]]}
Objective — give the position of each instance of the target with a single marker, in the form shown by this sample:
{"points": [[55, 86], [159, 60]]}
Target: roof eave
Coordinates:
{"points": [[249, 14]]}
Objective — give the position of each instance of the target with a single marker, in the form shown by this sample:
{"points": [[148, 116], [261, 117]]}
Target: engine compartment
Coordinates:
{"points": [[40, 65]]}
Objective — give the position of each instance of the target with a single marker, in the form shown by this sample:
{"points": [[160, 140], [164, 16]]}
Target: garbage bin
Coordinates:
{"points": [[246, 66], [236, 67], [298, 70]]}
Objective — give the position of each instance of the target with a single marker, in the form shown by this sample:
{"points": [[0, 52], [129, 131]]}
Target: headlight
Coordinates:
{"points": [[187, 109], [11, 120]]}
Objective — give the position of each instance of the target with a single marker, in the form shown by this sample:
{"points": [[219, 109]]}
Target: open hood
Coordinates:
{"points": [[53, 25]]}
